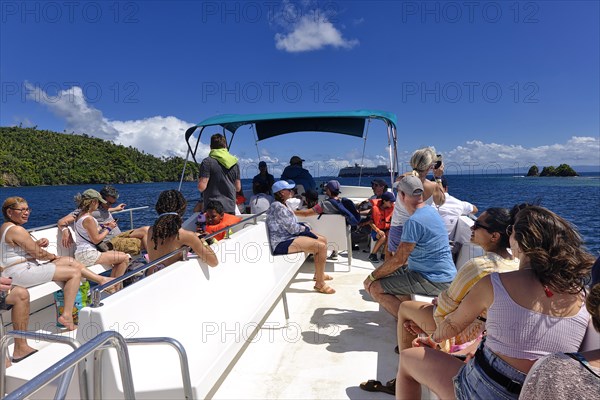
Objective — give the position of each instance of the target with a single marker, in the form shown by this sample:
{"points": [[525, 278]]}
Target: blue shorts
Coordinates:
{"points": [[471, 382], [284, 247], [374, 234], [394, 235]]}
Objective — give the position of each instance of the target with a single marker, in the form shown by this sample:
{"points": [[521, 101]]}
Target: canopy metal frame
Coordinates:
{"points": [[266, 126]]}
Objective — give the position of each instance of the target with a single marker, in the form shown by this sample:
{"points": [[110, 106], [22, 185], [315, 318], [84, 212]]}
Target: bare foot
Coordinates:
{"points": [[67, 322], [324, 288], [20, 352]]}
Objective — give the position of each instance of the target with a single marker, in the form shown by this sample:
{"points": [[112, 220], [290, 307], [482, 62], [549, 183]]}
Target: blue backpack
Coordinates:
{"points": [[347, 208]]}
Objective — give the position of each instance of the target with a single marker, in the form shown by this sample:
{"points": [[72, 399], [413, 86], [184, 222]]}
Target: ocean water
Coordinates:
{"points": [[576, 199]]}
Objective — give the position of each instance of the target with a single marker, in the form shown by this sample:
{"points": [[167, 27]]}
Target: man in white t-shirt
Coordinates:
{"points": [[452, 209]]}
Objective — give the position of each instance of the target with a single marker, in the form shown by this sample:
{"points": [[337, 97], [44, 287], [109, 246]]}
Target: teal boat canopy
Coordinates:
{"points": [[273, 124]]}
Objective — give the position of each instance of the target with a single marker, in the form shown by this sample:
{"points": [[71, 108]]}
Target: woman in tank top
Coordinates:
{"points": [[21, 254], [532, 312], [88, 234]]}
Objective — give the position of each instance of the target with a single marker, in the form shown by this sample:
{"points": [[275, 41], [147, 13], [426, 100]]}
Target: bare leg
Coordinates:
{"points": [[391, 303], [380, 242], [19, 298], [421, 314], [71, 275], [432, 368], [117, 259], [318, 247]]}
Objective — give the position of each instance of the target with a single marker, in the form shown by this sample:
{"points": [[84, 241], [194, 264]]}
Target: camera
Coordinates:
{"points": [[438, 163]]}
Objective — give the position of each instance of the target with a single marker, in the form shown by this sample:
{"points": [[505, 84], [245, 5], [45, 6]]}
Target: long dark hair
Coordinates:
{"points": [[498, 219], [168, 225], [554, 248]]}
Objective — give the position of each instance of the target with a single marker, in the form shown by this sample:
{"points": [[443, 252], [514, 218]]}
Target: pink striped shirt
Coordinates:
{"points": [[519, 332]]}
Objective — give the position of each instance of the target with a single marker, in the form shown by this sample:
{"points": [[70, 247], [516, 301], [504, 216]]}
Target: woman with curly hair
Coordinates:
{"points": [[532, 312], [167, 235], [569, 375]]}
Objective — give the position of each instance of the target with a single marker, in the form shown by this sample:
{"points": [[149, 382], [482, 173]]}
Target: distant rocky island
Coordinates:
{"points": [[561, 170]]}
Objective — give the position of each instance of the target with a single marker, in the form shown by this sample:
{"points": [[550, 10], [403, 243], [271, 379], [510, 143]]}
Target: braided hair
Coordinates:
{"points": [[167, 225]]}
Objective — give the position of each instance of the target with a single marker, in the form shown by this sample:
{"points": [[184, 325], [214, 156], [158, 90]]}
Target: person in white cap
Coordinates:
{"points": [[423, 262], [299, 175], [287, 235]]}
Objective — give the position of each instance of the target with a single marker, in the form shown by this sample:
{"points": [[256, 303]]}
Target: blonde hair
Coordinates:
{"points": [[83, 203], [423, 158], [9, 203]]}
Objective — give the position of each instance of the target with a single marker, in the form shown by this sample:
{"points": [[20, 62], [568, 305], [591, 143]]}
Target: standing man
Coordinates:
{"points": [[220, 175], [299, 175], [422, 264], [263, 178]]}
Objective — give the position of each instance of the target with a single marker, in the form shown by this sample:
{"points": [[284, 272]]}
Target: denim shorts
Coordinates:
{"points": [[472, 383]]}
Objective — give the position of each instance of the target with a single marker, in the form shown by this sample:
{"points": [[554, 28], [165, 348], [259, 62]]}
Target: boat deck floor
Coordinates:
{"points": [[331, 345]]}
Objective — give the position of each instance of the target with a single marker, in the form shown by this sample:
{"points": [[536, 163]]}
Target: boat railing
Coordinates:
{"points": [[97, 290], [129, 210], [183, 362], [26, 390]]}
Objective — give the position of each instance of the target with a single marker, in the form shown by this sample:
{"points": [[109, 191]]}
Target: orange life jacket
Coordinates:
{"points": [[226, 221], [382, 217]]}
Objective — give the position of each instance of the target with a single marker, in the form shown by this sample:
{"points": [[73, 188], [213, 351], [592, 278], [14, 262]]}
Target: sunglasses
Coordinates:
{"points": [[477, 225]]}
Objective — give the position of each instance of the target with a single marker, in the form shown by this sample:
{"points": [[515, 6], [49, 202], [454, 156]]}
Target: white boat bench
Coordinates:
{"points": [[213, 312], [334, 228]]}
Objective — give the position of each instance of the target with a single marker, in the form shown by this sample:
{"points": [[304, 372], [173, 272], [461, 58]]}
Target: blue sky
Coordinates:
{"points": [[493, 83]]}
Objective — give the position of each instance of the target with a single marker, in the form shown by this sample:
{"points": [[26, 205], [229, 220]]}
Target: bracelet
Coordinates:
{"points": [[64, 228], [371, 277]]}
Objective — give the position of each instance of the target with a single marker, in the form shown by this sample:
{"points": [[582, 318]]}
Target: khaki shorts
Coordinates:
{"points": [[88, 257], [30, 273], [124, 243]]}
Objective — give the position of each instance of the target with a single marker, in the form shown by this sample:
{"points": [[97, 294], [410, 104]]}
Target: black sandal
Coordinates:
{"points": [[376, 386]]}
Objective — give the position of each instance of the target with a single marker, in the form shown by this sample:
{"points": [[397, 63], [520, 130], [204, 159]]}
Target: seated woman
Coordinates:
{"points": [[21, 254], [571, 375], [287, 235], [167, 235], [532, 312], [415, 317], [16, 299], [88, 234]]}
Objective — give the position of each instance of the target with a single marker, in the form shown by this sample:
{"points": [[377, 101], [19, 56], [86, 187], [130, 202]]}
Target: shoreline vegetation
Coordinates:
{"points": [[561, 170], [32, 157]]}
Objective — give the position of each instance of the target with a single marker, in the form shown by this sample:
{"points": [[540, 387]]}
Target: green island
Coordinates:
{"points": [[561, 170], [31, 157]]}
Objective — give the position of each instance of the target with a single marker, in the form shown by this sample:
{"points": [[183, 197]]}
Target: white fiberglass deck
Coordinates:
{"points": [[333, 342]]}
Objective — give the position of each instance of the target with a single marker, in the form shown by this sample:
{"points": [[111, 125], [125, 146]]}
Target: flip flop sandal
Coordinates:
{"points": [[376, 386]]}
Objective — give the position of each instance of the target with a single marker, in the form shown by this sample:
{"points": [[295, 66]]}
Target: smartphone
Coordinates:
{"points": [[438, 162]]}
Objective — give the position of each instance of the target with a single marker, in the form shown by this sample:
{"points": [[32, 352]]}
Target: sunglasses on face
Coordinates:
{"points": [[477, 225]]}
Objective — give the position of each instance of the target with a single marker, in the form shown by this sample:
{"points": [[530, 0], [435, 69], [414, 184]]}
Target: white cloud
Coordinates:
{"points": [[308, 31], [578, 150], [160, 136]]}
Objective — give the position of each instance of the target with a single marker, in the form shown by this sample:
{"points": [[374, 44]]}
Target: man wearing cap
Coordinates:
{"points": [[381, 219], [423, 262], [220, 175], [299, 175], [263, 178]]}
